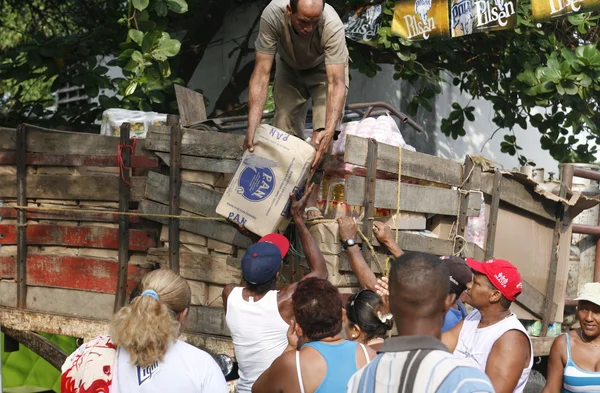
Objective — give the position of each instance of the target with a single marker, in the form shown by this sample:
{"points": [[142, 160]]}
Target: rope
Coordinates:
{"points": [[121, 163]]}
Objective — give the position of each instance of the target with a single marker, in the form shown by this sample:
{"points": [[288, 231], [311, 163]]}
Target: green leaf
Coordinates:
{"points": [[177, 6], [469, 115], [157, 97], [167, 47], [137, 57], [456, 106], [136, 36], [150, 40], [125, 56], [569, 87], [161, 8], [131, 88], [140, 5], [528, 77], [165, 68]]}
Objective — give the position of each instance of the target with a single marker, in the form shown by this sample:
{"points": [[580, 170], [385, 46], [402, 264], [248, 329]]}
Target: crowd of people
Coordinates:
{"points": [[407, 332]]}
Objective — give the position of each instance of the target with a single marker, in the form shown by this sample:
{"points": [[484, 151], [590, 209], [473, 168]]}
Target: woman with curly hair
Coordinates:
{"points": [[143, 353]]}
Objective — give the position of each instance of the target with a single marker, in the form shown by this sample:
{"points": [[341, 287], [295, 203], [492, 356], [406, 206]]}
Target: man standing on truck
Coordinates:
{"points": [[306, 38], [491, 336], [259, 316]]}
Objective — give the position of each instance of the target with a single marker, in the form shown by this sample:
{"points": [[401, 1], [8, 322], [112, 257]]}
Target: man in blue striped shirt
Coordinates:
{"points": [[416, 361]]}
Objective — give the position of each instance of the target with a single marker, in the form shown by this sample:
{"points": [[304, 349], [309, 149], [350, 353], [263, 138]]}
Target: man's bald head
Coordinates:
{"points": [[308, 7], [419, 286]]}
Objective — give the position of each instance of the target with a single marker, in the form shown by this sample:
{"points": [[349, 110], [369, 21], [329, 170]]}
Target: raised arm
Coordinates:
{"points": [[313, 253], [509, 356], [384, 235], [366, 277]]}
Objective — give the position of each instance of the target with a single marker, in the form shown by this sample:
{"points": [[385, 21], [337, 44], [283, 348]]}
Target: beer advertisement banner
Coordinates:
{"points": [[477, 16], [362, 25], [421, 19], [544, 10]]}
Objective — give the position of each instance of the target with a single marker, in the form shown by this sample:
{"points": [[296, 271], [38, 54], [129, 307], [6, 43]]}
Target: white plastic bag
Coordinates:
{"points": [[140, 121]]}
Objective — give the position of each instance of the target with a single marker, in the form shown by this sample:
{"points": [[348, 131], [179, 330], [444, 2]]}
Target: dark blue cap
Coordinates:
{"points": [[261, 263]]}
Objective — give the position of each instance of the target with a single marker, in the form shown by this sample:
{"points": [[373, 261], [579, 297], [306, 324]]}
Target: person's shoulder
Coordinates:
{"points": [[332, 21], [189, 351], [460, 376], [275, 10]]}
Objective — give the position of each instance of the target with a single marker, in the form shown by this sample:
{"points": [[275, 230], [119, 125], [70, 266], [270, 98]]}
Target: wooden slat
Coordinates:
{"points": [[90, 328], [190, 105], [417, 165], [207, 320], [89, 236], [413, 198], [221, 231], [9, 212], [45, 159], [193, 198], [43, 140], [21, 235], [80, 273], [124, 197], [88, 188], [175, 183], [368, 202], [493, 219], [533, 300], [199, 143], [518, 195], [542, 345], [464, 199], [214, 269], [203, 164]]}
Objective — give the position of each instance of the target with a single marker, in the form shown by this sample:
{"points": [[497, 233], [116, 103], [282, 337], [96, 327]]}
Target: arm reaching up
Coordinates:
{"points": [[383, 233], [348, 230]]}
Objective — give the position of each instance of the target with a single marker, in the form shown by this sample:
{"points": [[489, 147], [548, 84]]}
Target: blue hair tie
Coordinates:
{"points": [[151, 293]]}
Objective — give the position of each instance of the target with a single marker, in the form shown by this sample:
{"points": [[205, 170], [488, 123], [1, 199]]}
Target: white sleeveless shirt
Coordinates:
{"points": [[258, 332], [476, 344]]}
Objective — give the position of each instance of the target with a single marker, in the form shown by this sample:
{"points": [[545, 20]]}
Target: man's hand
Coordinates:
{"points": [[347, 228], [382, 290], [298, 206], [383, 232], [249, 140], [322, 141]]}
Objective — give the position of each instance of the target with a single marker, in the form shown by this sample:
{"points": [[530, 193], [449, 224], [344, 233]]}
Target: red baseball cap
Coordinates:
{"points": [[282, 243], [503, 275]]}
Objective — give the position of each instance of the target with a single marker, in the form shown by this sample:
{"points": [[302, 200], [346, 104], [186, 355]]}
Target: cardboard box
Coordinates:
{"points": [[220, 247], [258, 195], [209, 178], [215, 293], [406, 221], [185, 237], [199, 292]]}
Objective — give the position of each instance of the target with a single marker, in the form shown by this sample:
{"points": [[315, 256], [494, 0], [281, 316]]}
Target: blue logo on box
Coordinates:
{"points": [[257, 180]]}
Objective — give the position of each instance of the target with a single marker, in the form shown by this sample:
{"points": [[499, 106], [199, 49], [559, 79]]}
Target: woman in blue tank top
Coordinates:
{"points": [[325, 361], [574, 363]]}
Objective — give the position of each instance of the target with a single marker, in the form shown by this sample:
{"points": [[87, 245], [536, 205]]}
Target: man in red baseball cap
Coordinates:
{"points": [[491, 336], [257, 315]]}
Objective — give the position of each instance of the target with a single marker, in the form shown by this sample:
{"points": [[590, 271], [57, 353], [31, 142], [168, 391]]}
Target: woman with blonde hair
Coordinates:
{"points": [[143, 353]]}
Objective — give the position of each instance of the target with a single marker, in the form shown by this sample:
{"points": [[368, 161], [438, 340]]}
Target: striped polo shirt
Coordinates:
{"points": [[418, 364]]}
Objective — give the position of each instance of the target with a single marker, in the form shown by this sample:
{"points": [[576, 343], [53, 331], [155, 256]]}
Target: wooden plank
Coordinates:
{"points": [[199, 143], [46, 159], [549, 312], [91, 237], [542, 345], [40, 345], [68, 272], [44, 140], [217, 165], [87, 188], [518, 195], [21, 275], [417, 165], [463, 204], [9, 212], [493, 220], [190, 105], [175, 183], [213, 269], [221, 231], [368, 202], [533, 300], [207, 320], [193, 198], [124, 196], [90, 328], [413, 198]]}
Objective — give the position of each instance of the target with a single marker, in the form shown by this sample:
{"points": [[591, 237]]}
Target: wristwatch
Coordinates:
{"points": [[349, 243]]}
